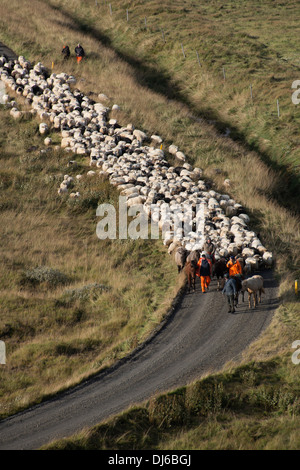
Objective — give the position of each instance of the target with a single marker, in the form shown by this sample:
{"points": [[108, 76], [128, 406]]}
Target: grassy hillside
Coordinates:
{"points": [[68, 305], [150, 68]]}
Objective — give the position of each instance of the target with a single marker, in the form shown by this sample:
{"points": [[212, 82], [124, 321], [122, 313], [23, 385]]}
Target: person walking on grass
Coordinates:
{"points": [[66, 52], [79, 51], [204, 272], [230, 291]]}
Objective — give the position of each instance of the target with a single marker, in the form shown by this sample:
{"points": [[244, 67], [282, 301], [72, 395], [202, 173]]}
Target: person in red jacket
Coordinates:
{"points": [[204, 272]]}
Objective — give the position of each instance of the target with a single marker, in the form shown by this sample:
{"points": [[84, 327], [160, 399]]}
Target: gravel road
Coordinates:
{"points": [[198, 337]]}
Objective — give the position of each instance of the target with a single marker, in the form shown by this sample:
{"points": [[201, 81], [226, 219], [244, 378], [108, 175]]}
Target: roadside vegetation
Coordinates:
{"points": [[68, 306], [253, 407]]}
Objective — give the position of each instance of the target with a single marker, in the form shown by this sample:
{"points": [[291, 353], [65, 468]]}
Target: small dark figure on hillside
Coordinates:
{"points": [[66, 52], [79, 51], [230, 291]]}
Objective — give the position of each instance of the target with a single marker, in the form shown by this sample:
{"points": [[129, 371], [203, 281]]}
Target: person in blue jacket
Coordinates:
{"points": [[230, 291]]}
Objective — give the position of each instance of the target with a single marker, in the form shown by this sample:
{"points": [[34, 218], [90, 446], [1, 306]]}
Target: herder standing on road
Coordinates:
{"points": [[209, 248], [230, 291], [234, 266], [204, 271], [79, 51]]}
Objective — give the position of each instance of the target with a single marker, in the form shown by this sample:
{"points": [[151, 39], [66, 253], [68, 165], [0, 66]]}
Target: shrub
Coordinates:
{"points": [[274, 399], [43, 275], [203, 398], [90, 291], [168, 410]]}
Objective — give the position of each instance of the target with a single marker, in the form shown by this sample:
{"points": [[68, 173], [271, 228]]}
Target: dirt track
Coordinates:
{"points": [[198, 337]]}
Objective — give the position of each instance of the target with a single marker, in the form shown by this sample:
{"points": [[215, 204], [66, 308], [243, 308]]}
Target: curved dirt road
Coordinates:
{"points": [[198, 337]]}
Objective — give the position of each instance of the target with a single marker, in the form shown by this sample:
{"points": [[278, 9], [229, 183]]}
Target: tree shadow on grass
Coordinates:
{"points": [[161, 82]]}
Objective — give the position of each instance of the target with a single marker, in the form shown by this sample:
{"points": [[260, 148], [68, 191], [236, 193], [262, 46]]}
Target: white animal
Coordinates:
{"points": [[253, 285], [43, 128]]}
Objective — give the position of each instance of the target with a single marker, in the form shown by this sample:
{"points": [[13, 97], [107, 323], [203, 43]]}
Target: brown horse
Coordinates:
{"points": [[190, 270], [219, 269], [238, 280]]}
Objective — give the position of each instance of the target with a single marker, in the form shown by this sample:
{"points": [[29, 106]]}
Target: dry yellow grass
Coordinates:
{"points": [[54, 340]]}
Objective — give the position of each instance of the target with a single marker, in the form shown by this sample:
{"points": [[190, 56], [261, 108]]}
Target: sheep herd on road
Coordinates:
{"points": [[140, 171]]}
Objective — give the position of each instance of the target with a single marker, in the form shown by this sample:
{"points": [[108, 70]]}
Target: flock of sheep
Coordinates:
{"points": [[140, 172]]}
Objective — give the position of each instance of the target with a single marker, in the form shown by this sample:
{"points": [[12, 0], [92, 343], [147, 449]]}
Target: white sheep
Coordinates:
{"points": [[173, 149], [253, 285], [43, 128], [268, 258], [140, 171], [180, 156]]}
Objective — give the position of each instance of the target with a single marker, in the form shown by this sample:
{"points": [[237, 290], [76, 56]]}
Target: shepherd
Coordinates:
{"points": [[230, 291], [66, 52], [79, 51], [204, 271], [210, 249]]}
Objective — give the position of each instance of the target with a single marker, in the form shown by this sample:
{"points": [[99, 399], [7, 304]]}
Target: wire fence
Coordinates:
{"points": [[149, 27]]}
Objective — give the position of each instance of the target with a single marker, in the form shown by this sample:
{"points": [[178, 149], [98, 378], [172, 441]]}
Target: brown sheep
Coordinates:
{"points": [[180, 257]]}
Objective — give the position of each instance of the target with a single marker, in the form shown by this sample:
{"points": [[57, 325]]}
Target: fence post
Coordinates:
{"points": [[251, 93], [278, 109], [182, 50], [224, 74], [163, 35], [110, 9], [127, 16], [198, 58], [2, 353]]}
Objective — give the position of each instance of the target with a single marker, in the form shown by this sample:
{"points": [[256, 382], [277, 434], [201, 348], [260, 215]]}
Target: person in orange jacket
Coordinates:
{"points": [[234, 266], [204, 271], [66, 52]]}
